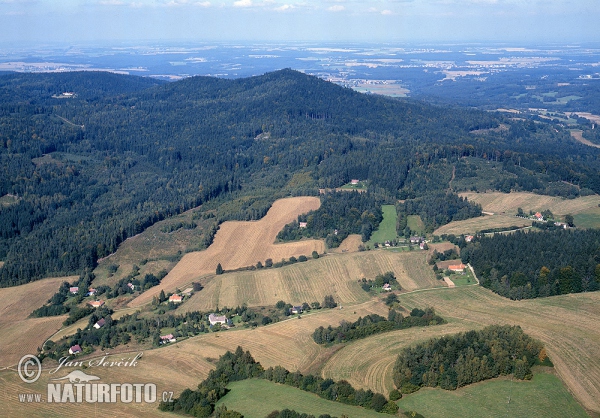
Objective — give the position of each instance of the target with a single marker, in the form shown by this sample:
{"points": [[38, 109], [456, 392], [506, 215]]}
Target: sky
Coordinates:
{"points": [[511, 21]]}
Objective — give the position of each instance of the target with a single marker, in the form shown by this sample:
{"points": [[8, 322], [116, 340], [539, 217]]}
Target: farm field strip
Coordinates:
{"points": [[474, 225], [334, 274], [241, 244], [498, 202]]}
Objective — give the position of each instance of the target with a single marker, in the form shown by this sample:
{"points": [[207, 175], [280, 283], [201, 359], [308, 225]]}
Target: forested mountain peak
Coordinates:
{"points": [[126, 152]]}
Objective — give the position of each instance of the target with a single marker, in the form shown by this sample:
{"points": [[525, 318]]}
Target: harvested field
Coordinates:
{"points": [[350, 244], [509, 202], [312, 280], [577, 134], [474, 225], [568, 325], [241, 244], [368, 363], [20, 335]]}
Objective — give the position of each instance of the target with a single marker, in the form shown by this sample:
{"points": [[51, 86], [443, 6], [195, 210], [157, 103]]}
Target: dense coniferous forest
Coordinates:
{"points": [[81, 174], [528, 265], [340, 214], [454, 361]]}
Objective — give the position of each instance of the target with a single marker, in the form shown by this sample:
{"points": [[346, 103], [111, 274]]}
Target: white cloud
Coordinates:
{"points": [[111, 2], [387, 12], [242, 3], [285, 7], [336, 8], [203, 3]]}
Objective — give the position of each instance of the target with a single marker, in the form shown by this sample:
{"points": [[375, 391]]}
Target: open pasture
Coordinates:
{"points": [[335, 274], [387, 227], [241, 244], [256, 398], [545, 395], [160, 248]]}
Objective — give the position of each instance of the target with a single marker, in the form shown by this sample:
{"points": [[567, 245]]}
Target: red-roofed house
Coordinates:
{"points": [[457, 267], [76, 349], [176, 298], [538, 216], [74, 289], [169, 338], [97, 303], [100, 323]]}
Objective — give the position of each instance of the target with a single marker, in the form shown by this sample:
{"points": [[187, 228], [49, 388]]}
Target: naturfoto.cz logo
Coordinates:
{"points": [[79, 387]]}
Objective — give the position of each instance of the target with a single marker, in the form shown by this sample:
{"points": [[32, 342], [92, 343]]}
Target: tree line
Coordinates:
{"points": [[375, 324], [241, 365]]}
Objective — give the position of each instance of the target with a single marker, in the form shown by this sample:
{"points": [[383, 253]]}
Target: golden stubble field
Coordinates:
{"points": [[20, 335], [333, 274], [498, 202], [240, 244]]}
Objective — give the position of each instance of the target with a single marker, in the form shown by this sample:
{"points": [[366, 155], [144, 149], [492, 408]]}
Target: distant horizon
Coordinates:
{"points": [[330, 21]]}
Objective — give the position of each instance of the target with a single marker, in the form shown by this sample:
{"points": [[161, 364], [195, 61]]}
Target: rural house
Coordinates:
{"points": [[296, 310], [169, 338], [74, 290], [97, 303], [416, 240], [387, 287], [354, 182], [176, 298], [457, 268], [302, 224], [100, 323], [91, 292], [131, 286], [217, 319], [76, 349]]}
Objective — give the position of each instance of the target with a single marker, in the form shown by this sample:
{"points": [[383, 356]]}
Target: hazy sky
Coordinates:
{"points": [[515, 21]]}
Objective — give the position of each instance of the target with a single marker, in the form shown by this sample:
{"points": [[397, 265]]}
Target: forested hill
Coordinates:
{"points": [[84, 172]]}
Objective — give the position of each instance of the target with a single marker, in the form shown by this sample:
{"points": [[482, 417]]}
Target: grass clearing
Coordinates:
{"points": [[415, 223], [588, 219], [387, 227], [256, 398], [545, 395], [361, 185]]}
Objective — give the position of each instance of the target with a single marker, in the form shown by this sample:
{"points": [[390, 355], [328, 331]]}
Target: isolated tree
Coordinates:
{"points": [[219, 269], [569, 220], [329, 302], [315, 255]]}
